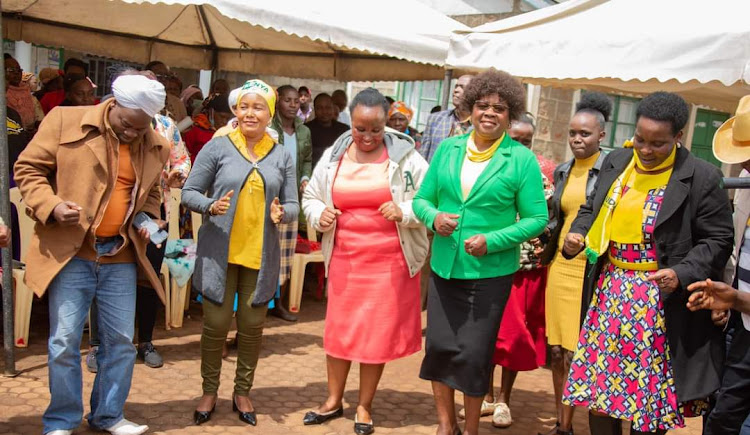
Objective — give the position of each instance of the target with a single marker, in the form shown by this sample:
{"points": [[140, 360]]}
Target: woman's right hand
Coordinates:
{"points": [[573, 244], [445, 223], [328, 217], [220, 207]]}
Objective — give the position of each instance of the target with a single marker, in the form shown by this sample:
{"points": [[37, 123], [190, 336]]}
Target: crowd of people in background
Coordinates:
{"points": [[586, 267]]}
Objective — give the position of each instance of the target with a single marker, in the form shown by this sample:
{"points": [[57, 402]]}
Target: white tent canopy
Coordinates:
{"points": [[696, 48], [329, 39]]}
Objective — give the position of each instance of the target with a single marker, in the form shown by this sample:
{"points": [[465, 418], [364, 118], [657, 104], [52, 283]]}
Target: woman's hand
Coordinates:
{"points": [[720, 317], [220, 207], [328, 217], [445, 223], [277, 211], [302, 187], [666, 279], [711, 295], [4, 236], [391, 212], [175, 178], [573, 244], [476, 245]]}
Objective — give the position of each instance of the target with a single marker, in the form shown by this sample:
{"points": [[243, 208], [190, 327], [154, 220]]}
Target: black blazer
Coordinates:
{"points": [[694, 237]]}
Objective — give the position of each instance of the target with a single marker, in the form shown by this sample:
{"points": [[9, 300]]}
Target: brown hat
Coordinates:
{"points": [[47, 74], [732, 140]]}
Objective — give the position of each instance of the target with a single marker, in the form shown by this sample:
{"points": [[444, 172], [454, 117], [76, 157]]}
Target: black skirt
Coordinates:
{"points": [[463, 318]]}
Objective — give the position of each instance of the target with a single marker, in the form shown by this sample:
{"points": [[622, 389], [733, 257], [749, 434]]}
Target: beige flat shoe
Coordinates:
{"points": [[501, 417], [487, 409]]}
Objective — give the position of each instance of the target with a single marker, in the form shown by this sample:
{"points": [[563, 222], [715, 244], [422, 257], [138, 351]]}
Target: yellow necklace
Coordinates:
{"points": [[477, 156]]}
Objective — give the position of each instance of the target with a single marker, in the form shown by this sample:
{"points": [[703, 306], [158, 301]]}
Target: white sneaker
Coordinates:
{"points": [[125, 427], [60, 432], [487, 409], [501, 417]]}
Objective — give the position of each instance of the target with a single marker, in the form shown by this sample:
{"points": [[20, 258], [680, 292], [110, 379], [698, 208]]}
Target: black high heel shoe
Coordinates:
{"points": [[200, 417], [245, 417]]}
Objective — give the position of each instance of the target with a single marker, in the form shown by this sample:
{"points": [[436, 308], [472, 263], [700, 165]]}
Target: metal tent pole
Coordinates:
{"points": [[7, 254], [446, 89]]}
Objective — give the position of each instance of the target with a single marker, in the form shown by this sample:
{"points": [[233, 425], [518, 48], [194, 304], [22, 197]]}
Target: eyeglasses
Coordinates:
{"points": [[485, 105], [13, 69]]}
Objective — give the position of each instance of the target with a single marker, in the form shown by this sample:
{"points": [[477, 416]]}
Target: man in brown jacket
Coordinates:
{"points": [[84, 177]]}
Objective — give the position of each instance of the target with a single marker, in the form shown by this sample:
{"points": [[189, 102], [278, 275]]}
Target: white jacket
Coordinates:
{"points": [[406, 170]]}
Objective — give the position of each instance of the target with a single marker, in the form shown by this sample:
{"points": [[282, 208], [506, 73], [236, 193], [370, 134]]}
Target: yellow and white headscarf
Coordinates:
{"points": [[261, 88]]}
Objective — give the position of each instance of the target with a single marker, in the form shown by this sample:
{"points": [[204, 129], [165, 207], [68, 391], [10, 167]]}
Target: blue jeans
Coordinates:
{"points": [[70, 296], [746, 427]]}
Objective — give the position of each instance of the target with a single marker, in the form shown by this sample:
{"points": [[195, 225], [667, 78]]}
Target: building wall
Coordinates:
{"points": [[553, 116]]}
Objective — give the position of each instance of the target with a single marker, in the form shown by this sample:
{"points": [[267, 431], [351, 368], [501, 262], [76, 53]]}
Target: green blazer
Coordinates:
{"points": [[506, 205], [304, 147]]}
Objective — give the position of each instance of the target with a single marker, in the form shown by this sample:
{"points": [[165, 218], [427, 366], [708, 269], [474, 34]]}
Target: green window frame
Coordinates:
{"points": [[621, 125]]}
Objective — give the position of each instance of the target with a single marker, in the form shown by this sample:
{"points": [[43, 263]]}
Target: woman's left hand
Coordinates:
{"points": [[175, 178], [476, 245], [277, 211], [391, 212], [666, 279]]}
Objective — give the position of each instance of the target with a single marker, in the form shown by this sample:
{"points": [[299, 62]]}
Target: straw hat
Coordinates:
{"points": [[47, 74], [732, 140]]}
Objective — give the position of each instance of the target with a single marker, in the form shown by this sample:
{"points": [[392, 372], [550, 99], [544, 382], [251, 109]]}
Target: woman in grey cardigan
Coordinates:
{"points": [[238, 244]]}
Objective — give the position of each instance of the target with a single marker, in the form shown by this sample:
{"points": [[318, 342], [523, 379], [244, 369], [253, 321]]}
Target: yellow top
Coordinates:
{"points": [[574, 193], [246, 237]]}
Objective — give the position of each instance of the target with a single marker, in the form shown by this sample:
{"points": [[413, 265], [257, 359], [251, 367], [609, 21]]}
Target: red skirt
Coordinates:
{"points": [[521, 344]]}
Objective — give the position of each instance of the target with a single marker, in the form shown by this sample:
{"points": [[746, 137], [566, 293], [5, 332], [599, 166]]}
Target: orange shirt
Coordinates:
{"points": [[119, 202]]}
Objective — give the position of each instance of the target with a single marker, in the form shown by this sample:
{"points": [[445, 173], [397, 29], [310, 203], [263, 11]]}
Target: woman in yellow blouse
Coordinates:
{"points": [[250, 187], [574, 182]]}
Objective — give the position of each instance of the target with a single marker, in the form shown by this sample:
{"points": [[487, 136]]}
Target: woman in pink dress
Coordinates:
{"points": [[359, 197]]}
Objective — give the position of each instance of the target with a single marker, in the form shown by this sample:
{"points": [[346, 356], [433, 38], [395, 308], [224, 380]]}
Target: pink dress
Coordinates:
{"points": [[373, 305]]}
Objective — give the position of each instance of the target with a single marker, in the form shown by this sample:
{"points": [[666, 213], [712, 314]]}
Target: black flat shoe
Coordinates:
{"points": [[200, 417], [245, 417], [313, 417], [363, 428]]}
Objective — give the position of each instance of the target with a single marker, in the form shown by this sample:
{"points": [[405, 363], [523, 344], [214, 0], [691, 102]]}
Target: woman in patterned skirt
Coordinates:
{"points": [[658, 221]]}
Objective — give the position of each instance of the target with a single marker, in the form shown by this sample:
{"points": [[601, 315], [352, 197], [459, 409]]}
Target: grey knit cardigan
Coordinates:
{"points": [[219, 168]]}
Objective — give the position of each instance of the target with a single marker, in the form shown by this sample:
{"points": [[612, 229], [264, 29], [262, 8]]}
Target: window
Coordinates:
{"points": [[621, 126], [101, 71], [421, 97]]}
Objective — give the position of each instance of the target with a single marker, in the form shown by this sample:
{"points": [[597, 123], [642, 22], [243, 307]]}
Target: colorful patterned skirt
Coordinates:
{"points": [[622, 364]]}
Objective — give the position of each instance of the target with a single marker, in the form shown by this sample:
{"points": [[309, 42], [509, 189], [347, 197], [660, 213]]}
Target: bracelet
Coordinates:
{"points": [[211, 209]]}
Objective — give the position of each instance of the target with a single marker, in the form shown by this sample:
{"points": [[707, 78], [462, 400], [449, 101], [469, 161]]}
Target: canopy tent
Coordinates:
{"points": [[331, 39], [698, 49]]}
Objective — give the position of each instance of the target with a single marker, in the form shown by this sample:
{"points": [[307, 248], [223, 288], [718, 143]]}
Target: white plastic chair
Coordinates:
{"points": [[299, 263], [24, 295]]}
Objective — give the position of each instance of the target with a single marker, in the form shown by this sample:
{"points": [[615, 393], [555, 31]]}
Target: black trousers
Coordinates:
{"points": [[733, 400]]}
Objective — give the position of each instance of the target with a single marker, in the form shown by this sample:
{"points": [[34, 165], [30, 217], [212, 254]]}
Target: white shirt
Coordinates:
{"points": [[344, 117], [470, 172]]}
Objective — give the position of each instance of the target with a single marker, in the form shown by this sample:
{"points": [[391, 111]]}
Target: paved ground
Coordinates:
{"points": [[290, 380]]}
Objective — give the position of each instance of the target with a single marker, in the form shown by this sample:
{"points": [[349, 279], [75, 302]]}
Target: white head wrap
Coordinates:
{"points": [[139, 92], [233, 97]]}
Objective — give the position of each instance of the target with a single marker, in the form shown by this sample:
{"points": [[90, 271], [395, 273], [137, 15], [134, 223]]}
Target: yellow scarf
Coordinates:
{"points": [[627, 226], [476, 156]]}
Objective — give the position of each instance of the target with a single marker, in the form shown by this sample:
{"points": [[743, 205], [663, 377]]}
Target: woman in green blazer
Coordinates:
{"points": [[483, 197]]}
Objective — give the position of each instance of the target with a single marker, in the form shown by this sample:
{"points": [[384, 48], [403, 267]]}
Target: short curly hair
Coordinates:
{"points": [[492, 81], [666, 107]]}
